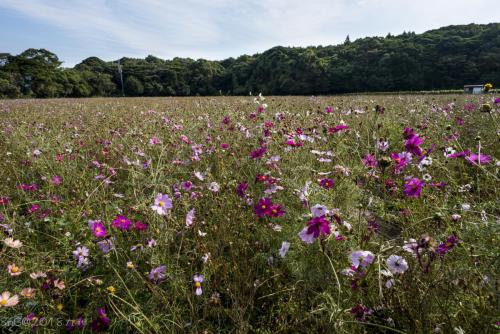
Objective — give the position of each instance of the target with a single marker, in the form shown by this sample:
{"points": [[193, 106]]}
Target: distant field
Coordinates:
{"points": [[346, 214]]}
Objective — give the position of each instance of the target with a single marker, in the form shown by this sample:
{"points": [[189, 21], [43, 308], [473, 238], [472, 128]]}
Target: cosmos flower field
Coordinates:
{"points": [[345, 214]]}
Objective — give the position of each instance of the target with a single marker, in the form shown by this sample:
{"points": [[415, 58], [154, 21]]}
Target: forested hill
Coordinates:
{"points": [[445, 58]]}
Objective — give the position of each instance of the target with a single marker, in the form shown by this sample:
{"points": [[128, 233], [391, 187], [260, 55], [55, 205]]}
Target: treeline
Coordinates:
{"points": [[445, 58]]}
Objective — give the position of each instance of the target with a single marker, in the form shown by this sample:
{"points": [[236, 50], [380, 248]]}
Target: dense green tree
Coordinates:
{"points": [[133, 86], [445, 58]]}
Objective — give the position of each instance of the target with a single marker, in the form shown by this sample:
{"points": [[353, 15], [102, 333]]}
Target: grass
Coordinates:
{"points": [[101, 151]]}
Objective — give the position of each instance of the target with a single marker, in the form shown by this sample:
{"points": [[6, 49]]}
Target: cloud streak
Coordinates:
{"points": [[221, 28]]}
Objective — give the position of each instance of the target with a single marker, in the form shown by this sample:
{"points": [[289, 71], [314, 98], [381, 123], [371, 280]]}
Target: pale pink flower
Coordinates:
{"points": [[6, 300], [190, 218], [28, 293], [14, 270], [10, 242]]}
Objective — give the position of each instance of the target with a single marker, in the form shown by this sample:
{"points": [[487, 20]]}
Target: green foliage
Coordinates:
{"points": [[441, 59], [133, 86]]}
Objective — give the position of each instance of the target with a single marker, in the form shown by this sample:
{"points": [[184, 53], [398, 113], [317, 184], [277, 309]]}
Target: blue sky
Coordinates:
{"points": [[216, 29]]}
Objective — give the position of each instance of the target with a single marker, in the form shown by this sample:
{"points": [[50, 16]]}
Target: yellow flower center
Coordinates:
{"points": [[263, 206], [3, 302], [197, 284], [14, 269], [162, 204]]}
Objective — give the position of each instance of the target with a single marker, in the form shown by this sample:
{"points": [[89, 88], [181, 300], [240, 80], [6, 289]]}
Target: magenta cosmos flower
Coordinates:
{"points": [[100, 324], [98, 228], [258, 153], [326, 183], [315, 227], [140, 226], [412, 144], [478, 159], [413, 187], [369, 161], [266, 208], [162, 204], [338, 128], [401, 160], [445, 247], [241, 189], [122, 222]]}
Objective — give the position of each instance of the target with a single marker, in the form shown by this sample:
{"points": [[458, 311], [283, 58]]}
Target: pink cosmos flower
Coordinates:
{"points": [[369, 161], [154, 141], [401, 160], [362, 258], [56, 180], [101, 324], [98, 228], [329, 109], [338, 128], [198, 279], [8, 300], [258, 153], [185, 139], [162, 204], [445, 247], [140, 226], [326, 183], [190, 218], [157, 274], [122, 222], [14, 270], [469, 107], [241, 189], [458, 154], [478, 159], [34, 208], [412, 145], [265, 207], [187, 185], [408, 133], [318, 226]]}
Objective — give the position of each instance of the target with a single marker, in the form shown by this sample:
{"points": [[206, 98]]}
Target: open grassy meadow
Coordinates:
{"points": [[344, 214]]}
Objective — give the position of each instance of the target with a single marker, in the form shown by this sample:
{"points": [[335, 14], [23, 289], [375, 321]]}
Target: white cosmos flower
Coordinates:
{"points": [[397, 264], [10, 242], [319, 210], [284, 248]]}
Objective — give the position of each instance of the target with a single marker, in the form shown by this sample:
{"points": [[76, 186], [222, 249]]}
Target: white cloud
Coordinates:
{"points": [[217, 29]]}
